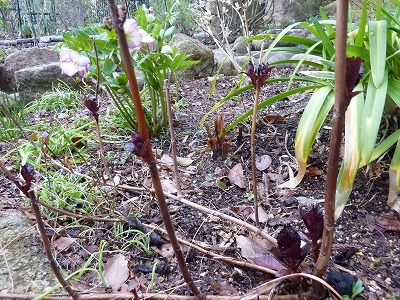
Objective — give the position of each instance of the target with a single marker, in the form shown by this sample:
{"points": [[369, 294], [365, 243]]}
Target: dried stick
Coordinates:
{"points": [[42, 230], [118, 19], [172, 133], [246, 225], [339, 110], [218, 256]]}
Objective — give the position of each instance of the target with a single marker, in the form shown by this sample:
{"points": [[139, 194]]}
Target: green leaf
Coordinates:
{"points": [[374, 104], [324, 38], [269, 101], [108, 66], [319, 74], [377, 49], [121, 79], [310, 123], [324, 16], [363, 22], [393, 90], [385, 145], [358, 288], [394, 180]]}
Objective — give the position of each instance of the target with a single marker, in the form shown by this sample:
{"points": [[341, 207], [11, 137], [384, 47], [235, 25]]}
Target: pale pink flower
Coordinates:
{"points": [[72, 62], [137, 37]]}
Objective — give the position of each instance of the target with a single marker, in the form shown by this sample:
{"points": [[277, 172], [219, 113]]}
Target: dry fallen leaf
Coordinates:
{"points": [[278, 178], [387, 222], [182, 161], [247, 211], [263, 162], [252, 246], [236, 177], [274, 119], [167, 252], [168, 186], [314, 171], [223, 288], [116, 271], [63, 243], [117, 179]]}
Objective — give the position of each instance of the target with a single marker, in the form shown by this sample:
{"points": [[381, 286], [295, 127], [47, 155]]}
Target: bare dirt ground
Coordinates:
{"points": [[362, 247]]}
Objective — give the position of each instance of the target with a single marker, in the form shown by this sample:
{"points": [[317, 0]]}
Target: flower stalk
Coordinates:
{"points": [[258, 77], [118, 14]]}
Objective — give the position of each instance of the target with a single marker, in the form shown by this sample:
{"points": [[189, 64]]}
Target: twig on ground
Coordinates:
{"points": [[246, 225], [217, 256]]}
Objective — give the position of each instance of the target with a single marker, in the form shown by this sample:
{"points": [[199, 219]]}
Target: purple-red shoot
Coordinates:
{"points": [[27, 173], [138, 146], [289, 251], [92, 104], [354, 72], [314, 221], [259, 76]]}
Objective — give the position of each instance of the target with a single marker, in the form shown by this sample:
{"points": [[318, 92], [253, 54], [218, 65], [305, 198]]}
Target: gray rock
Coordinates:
{"points": [[279, 56], [240, 46], [24, 268], [39, 79], [197, 51], [25, 58], [221, 59]]}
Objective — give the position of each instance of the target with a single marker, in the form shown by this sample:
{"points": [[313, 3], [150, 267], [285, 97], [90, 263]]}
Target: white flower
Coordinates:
{"points": [[72, 62]]}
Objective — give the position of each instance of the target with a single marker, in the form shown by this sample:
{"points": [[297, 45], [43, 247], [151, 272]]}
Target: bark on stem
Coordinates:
{"points": [[336, 137], [118, 20]]}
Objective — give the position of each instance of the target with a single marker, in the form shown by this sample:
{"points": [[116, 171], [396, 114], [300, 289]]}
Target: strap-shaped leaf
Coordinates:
{"points": [[394, 180], [377, 31], [270, 101], [351, 158], [310, 123], [393, 90], [374, 104]]}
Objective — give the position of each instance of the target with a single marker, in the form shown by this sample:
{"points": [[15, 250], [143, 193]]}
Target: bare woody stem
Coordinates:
{"points": [[253, 154], [339, 111], [253, 141], [42, 230], [118, 20]]}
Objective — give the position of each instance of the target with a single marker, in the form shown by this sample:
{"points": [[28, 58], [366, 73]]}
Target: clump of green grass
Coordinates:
{"points": [[72, 193], [61, 99], [12, 110]]}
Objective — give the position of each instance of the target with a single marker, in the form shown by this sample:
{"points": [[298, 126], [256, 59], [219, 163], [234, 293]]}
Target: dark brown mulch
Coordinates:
{"points": [[376, 258]]}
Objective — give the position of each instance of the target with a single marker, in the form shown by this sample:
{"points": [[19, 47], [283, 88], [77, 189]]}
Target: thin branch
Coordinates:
{"points": [[172, 133], [42, 230], [336, 137]]}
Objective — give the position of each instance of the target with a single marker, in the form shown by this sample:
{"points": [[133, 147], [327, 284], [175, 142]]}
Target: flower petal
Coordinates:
{"points": [[130, 26], [68, 68]]}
